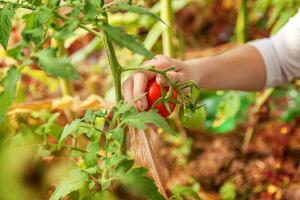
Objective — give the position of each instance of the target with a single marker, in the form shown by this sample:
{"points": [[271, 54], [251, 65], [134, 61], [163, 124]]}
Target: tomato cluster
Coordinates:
{"points": [[154, 92], [192, 115]]}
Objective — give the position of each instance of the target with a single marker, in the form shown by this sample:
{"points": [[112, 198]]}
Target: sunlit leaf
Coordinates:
{"points": [[57, 66], [9, 84], [180, 193], [139, 120], [137, 181], [69, 129], [228, 191], [124, 40], [137, 10], [35, 25], [73, 182], [6, 16]]}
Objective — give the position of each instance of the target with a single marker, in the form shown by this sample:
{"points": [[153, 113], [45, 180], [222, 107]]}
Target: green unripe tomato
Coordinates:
{"points": [[192, 118]]}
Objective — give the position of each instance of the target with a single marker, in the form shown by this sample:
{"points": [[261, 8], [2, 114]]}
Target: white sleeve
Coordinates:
{"points": [[281, 53]]}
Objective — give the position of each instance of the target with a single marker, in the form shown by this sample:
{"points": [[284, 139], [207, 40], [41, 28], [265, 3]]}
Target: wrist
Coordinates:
{"points": [[202, 68]]}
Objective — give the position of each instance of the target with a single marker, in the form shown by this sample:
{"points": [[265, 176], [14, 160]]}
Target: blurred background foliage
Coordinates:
{"points": [[200, 25]]}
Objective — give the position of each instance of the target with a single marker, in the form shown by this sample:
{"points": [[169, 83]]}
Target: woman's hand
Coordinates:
{"points": [[134, 87]]}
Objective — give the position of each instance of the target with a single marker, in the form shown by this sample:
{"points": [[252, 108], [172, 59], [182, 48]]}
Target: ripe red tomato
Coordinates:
{"points": [[153, 93]]}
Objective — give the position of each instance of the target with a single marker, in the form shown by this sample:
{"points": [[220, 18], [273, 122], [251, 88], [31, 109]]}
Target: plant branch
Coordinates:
{"points": [[167, 17]]}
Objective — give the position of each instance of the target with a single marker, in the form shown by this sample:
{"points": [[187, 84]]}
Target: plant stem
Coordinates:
{"points": [[116, 71], [115, 67], [113, 62], [66, 87], [167, 17], [242, 22]]}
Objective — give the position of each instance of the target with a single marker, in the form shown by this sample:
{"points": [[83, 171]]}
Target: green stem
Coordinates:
{"points": [[115, 67], [113, 61], [167, 17], [66, 87], [116, 71], [242, 22]]}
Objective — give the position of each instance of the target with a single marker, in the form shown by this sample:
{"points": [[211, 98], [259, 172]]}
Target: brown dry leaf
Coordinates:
{"points": [[145, 145], [93, 102]]}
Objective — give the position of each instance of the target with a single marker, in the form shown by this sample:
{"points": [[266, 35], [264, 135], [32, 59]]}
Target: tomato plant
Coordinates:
{"points": [[154, 93], [104, 158]]}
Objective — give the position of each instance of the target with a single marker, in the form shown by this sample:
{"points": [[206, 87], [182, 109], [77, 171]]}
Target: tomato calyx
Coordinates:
{"points": [[192, 116]]}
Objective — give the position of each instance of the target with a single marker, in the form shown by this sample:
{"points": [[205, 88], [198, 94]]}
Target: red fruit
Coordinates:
{"points": [[153, 93]]}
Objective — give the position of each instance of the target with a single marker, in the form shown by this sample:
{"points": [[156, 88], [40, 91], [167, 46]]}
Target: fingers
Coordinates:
{"points": [[172, 75], [134, 87], [140, 81], [162, 62]]}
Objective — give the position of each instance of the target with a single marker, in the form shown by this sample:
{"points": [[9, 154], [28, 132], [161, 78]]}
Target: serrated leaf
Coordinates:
{"points": [[9, 84], [138, 10], [139, 120], [50, 127], [35, 25], [90, 8], [124, 166], [137, 181], [114, 160], [89, 116], [69, 129], [118, 134], [66, 31], [57, 66], [124, 40], [6, 16], [124, 107], [73, 182], [90, 159], [180, 192]]}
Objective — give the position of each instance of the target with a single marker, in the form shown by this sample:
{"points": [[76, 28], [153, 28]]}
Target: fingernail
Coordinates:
{"points": [[158, 79]]}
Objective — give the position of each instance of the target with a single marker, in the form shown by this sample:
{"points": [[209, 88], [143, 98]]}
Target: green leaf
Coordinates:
{"points": [[91, 157], [124, 166], [89, 116], [69, 129], [139, 120], [137, 10], [35, 2], [16, 51], [180, 192], [90, 8], [57, 66], [50, 127], [75, 181], [66, 31], [118, 134], [137, 181], [124, 40], [114, 160], [6, 16], [9, 84], [284, 17], [35, 25], [228, 191]]}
